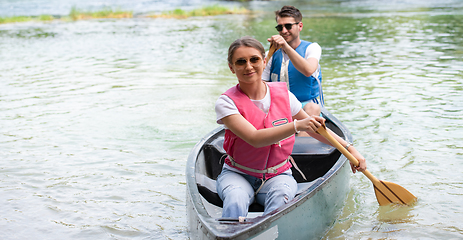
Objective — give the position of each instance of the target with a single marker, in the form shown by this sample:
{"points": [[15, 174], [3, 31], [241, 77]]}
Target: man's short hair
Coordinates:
{"points": [[289, 11]]}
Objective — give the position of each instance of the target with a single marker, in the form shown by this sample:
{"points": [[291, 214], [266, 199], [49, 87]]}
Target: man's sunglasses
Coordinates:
{"points": [[253, 60], [288, 26]]}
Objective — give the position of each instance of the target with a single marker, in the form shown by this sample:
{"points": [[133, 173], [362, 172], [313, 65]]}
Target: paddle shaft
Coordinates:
{"points": [[271, 51], [322, 131]]}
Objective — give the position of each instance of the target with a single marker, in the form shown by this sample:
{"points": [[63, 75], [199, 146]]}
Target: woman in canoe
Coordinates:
{"points": [[261, 120]]}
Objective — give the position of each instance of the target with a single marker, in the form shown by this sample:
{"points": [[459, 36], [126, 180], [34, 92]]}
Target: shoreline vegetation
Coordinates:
{"points": [[76, 14]]}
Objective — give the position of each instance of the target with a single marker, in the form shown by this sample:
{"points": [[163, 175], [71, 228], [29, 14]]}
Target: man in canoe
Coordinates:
{"points": [[296, 61], [260, 121]]}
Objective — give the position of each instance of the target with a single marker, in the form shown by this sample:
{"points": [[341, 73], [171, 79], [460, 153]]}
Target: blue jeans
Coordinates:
{"points": [[237, 192]]}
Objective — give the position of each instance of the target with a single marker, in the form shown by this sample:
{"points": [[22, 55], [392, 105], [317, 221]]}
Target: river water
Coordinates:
{"points": [[97, 117]]}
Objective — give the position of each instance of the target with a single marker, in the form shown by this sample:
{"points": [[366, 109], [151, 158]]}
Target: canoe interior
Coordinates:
{"points": [[312, 157]]}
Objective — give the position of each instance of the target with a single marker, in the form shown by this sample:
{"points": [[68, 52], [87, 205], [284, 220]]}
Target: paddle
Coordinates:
{"points": [[386, 192], [271, 51]]}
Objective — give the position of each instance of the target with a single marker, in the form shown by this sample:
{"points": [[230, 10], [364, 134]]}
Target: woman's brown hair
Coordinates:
{"points": [[246, 42]]}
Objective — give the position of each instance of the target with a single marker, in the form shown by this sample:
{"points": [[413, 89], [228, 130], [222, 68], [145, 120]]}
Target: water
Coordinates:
{"points": [[98, 117]]}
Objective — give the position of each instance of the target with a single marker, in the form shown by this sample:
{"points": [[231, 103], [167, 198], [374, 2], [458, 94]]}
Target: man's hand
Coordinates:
{"points": [[279, 41]]}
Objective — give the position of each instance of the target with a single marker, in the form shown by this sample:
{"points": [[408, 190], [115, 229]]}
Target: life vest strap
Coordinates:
{"points": [[273, 169]]}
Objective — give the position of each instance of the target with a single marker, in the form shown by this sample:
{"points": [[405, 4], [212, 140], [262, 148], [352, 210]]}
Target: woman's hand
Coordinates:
{"points": [[309, 124], [362, 162]]}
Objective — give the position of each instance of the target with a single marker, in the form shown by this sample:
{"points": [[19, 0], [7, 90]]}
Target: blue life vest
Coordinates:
{"points": [[304, 88]]}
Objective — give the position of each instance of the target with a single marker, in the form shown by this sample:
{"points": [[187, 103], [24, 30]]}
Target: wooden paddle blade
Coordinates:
{"points": [[388, 192]]}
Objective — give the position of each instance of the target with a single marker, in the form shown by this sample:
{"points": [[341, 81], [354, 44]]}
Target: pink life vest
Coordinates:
{"points": [[264, 157]]}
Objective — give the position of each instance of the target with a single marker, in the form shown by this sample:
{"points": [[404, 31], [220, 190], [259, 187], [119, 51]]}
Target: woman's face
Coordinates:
{"points": [[248, 64]]}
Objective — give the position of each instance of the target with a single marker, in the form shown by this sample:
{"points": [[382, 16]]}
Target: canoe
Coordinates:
{"points": [[309, 215]]}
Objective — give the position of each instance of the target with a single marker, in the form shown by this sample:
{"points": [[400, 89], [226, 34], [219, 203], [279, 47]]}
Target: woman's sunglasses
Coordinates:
{"points": [[253, 60], [288, 26]]}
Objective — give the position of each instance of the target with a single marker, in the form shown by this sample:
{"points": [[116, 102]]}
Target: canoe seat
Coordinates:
{"points": [[311, 146], [218, 144]]}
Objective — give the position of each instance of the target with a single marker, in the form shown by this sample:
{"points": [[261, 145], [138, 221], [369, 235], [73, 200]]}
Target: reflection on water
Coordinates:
{"points": [[395, 214], [98, 117]]}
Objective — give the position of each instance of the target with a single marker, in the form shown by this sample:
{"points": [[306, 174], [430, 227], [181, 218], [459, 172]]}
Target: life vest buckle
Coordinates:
{"points": [[272, 170]]}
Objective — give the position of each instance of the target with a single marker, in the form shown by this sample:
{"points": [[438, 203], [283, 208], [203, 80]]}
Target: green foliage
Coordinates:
{"points": [[46, 18], [15, 19], [74, 13], [204, 11], [77, 14], [210, 11]]}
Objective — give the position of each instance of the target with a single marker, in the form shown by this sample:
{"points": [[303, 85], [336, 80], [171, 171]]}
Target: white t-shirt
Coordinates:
{"points": [[224, 106], [313, 51]]}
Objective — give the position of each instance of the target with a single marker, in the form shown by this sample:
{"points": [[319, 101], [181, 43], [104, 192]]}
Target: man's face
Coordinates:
{"points": [[295, 28]]}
